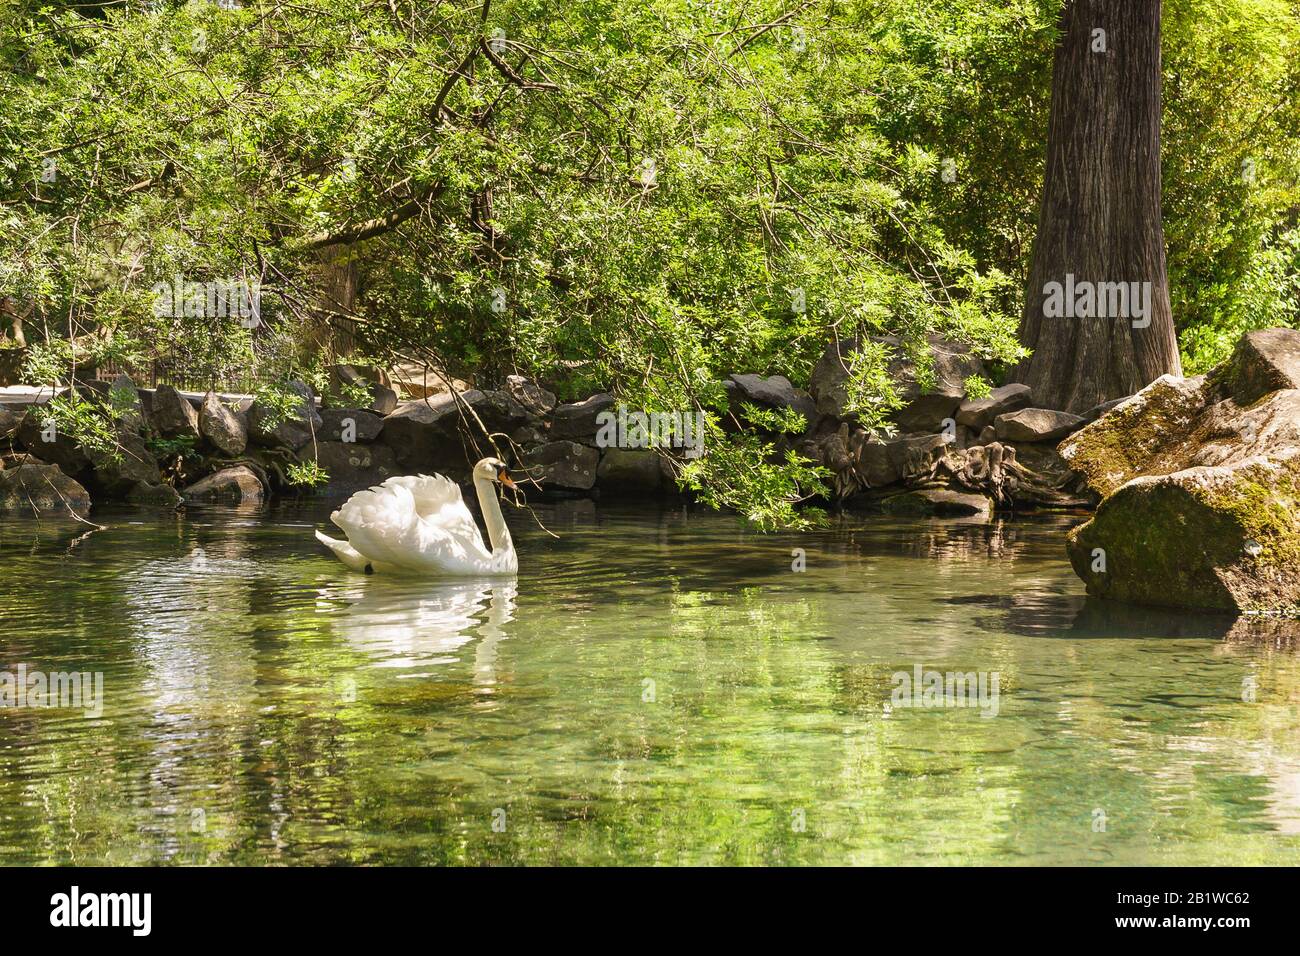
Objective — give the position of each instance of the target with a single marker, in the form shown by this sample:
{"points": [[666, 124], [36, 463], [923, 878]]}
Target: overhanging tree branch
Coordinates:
{"points": [[371, 227]]}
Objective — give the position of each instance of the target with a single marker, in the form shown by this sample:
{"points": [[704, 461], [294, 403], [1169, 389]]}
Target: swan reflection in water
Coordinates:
{"points": [[406, 623]]}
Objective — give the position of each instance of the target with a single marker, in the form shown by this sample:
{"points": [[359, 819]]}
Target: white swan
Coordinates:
{"points": [[420, 523]]}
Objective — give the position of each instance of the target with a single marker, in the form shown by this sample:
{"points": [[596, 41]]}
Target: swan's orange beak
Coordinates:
{"points": [[505, 479]]}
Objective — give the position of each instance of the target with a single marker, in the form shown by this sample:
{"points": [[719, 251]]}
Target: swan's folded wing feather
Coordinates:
{"points": [[418, 522], [376, 520], [439, 502]]}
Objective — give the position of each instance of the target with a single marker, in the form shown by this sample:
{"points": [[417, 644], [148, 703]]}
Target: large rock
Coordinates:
{"points": [[1202, 478], [128, 463], [383, 399], [775, 391], [172, 414], [424, 435], [1218, 537], [939, 501], [269, 426], [1094, 413], [1176, 423], [976, 413], [1036, 424], [629, 471], [239, 484], [562, 464], [433, 434], [359, 424], [1263, 362], [535, 400], [861, 460], [352, 467], [9, 422], [144, 493], [579, 419], [926, 407], [61, 450], [224, 430], [41, 489]]}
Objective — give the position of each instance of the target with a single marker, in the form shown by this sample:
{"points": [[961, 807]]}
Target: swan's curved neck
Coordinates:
{"points": [[498, 533]]}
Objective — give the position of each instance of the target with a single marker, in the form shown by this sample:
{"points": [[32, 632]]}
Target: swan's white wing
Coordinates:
{"points": [[438, 502], [417, 522], [378, 523]]}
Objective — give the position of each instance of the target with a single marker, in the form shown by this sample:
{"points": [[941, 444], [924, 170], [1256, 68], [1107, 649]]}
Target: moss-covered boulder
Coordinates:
{"points": [[1199, 478], [1129, 440], [1216, 537]]}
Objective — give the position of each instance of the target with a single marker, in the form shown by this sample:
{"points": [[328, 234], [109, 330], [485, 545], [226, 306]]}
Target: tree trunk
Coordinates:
{"points": [[1099, 219]]}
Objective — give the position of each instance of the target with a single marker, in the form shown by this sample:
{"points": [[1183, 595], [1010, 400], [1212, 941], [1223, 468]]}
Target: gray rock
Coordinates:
{"points": [[433, 434], [774, 392], [41, 489], [172, 415], [925, 410], [987, 436], [63, 451], [364, 426], [629, 471], [1094, 413], [9, 422], [860, 460], [939, 501], [1263, 361], [976, 413], [224, 430], [534, 399], [1036, 424], [383, 399], [562, 464], [876, 465], [352, 467], [578, 419], [127, 464], [267, 427], [238, 483], [424, 435], [164, 496], [527, 435]]}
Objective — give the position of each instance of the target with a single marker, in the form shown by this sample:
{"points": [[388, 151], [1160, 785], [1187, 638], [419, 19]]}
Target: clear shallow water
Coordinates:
{"points": [[264, 705]]}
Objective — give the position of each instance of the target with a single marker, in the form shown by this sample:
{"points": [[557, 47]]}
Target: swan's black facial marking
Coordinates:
{"points": [[370, 568]]}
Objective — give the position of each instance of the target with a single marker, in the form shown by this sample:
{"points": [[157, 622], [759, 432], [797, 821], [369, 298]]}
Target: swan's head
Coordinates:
{"points": [[493, 469]]}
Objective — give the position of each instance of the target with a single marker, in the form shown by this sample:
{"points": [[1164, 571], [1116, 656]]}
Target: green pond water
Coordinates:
{"points": [[656, 687]]}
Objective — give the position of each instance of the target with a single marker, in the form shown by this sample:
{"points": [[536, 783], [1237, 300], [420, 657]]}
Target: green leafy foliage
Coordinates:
{"points": [[306, 474], [640, 198]]}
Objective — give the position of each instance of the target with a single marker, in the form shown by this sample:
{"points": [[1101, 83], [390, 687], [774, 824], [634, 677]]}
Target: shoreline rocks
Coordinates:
{"points": [[38, 489], [1200, 480], [239, 484]]}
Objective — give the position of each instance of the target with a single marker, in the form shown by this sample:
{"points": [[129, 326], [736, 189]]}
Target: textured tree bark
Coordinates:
{"points": [[1099, 218]]}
